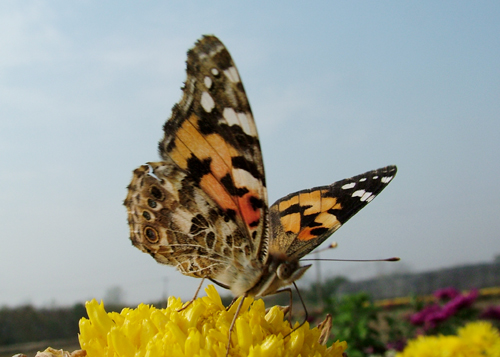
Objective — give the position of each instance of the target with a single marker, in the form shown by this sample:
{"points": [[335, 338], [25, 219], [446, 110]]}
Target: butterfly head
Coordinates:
{"points": [[278, 273], [289, 271]]}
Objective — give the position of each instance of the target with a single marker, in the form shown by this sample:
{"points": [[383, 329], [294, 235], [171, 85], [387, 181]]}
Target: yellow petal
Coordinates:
{"points": [[97, 315], [120, 343]]}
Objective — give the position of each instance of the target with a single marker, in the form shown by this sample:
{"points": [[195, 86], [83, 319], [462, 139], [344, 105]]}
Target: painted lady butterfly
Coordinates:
{"points": [[203, 208]]}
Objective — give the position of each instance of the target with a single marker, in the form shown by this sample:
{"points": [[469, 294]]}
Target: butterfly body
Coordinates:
{"points": [[203, 208]]}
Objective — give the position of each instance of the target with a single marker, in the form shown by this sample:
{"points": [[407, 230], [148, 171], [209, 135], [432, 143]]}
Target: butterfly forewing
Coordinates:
{"points": [[301, 221], [212, 135], [210, 208]]}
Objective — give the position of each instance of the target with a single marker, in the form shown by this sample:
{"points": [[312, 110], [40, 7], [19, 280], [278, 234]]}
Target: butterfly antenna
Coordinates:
{"points": [[393, 259]]}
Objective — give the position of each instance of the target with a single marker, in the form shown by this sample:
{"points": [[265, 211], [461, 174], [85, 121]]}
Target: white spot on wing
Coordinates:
{"points": [[242, 176], [358, 193], [362, 179], [246, 123], [207, 102], [369, 199], [208, 82], [375, 177], [230, 115], [216, 50], [365, 196], [387, 179], [349, 185], [243, 120], [215, 71], [232, 74]]}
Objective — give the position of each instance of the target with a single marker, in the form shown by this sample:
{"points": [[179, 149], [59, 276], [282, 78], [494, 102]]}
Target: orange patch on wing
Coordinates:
{"points": [[192, 138], [328, 220], [291, 222], [223, 149], [312, 199], [217, 192], [200, 147], [247, 212], [329, 202], [180, 154], [306, 234], [283, 205]]}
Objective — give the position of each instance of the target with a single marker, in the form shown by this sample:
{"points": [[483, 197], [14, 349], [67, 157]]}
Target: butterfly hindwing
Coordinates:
{"points": [[301, 221], [168, 220]]}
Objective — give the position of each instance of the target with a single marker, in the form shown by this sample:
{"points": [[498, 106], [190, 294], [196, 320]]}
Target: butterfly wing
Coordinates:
{"points": [[204, 208], [301, 221]]}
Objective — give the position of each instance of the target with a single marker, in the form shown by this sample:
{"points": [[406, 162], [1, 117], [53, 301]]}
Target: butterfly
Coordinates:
{"points": [[203, 208]]}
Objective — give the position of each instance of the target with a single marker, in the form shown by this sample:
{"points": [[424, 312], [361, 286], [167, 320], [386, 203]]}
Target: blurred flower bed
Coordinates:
{"points": [[448, 323]]}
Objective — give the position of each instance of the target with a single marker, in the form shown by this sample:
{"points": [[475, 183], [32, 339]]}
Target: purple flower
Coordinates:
{"points": [[419, 318], [492, 313], [432, 315], [460, 302], [446, 293]]}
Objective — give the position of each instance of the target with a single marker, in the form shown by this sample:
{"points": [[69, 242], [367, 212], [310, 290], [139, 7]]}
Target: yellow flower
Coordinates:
{"points": [[483, 337], [202, 330], [476, 339]]}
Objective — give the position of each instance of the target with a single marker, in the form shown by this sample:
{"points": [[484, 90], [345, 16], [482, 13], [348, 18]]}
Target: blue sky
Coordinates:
{"points": [[337, 88]]}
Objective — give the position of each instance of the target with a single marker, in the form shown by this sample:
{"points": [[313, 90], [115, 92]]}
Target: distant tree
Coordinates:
{"points": [[114, 296], [28, 324]]}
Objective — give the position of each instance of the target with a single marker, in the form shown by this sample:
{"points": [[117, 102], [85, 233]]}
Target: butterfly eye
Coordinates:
{"points": [[151, 235], [286, 271], [283, 271]]}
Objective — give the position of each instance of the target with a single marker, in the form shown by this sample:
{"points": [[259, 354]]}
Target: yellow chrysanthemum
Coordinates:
{"points": [[476, 339], [483, 337], [200, 330]]}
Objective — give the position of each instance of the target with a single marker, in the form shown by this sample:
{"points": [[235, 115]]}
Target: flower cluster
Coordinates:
{"points": [[432, 315], [476, 339], [491, 313], [202, 329]]}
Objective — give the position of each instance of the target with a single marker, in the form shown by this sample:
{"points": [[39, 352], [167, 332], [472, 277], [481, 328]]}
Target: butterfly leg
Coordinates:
{"points": [[305, 310], [233, 322], [287, 309], [194, 297], [231, 304]]}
